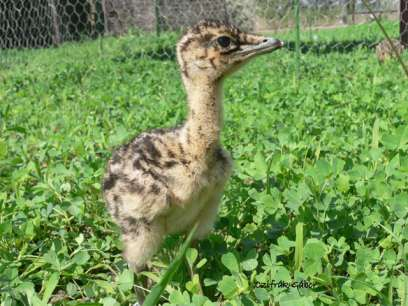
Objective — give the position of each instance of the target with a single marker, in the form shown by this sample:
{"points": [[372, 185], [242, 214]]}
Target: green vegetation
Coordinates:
{"points": [[319, 194]]}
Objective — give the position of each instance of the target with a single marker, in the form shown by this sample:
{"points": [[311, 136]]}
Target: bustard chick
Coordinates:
{"points": [[164, 181], [385, 51]]}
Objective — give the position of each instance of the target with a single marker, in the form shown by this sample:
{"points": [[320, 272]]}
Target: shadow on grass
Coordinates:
{"points": [[165, 53]]}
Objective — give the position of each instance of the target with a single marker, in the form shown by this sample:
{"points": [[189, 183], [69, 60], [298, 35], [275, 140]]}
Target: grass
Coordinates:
{"points": [[319, 195]]}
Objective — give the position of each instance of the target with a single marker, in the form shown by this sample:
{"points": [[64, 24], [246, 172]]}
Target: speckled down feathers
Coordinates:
{"points": [[155, 177]]}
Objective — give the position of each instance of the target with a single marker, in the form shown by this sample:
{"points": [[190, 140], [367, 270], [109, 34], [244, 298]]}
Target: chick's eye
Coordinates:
{"points": [[224, 41]]}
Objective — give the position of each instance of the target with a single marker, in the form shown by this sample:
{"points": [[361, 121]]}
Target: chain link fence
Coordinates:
{"points": [[55, 23]]}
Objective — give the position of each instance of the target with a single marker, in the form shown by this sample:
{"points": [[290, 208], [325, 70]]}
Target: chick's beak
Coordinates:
{"points": [[264, 45]]}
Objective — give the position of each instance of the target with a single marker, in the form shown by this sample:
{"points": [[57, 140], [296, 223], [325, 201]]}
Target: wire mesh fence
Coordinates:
{"points": [[56, 23]]}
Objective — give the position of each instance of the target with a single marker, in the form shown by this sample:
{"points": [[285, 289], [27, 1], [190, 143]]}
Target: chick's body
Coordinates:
{"points": [[156, 186]]}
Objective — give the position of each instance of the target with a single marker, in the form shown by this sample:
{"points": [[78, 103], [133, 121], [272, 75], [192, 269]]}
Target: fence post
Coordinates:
{"points": [[404, 22], [226, 12], [157, 15], [297, 41], [353, 11], [92, 18], [105, 18], [56, 34]]}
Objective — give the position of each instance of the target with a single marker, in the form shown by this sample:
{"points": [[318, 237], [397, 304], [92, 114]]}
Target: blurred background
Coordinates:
{"points": [[53, 23]]}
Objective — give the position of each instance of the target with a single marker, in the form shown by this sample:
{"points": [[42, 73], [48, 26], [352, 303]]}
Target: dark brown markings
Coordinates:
{"points": [[142, 157], [155, 163], [138, 165], [205, 54], [213, 102], [153, 174], [159, 140], [243, 38], [183, 63], [115, 158], [170, 164], [188, 135], [131, 221], [124, 148], [136, 147], [144, 221], [116, 211], [184, 71], [185, 162], [210, 23], [151, 148], [207, 37], [131, 225], [110, 181], [181, 148], [206, 23], [211, 151], [149, 161], [134, 186], [200, 131], [140, 154], [185, 45], [172, 198], [171, 154], [201, 134], [196, 29], [155, 189], [212, 63], [158, 177], [117, 201]]}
